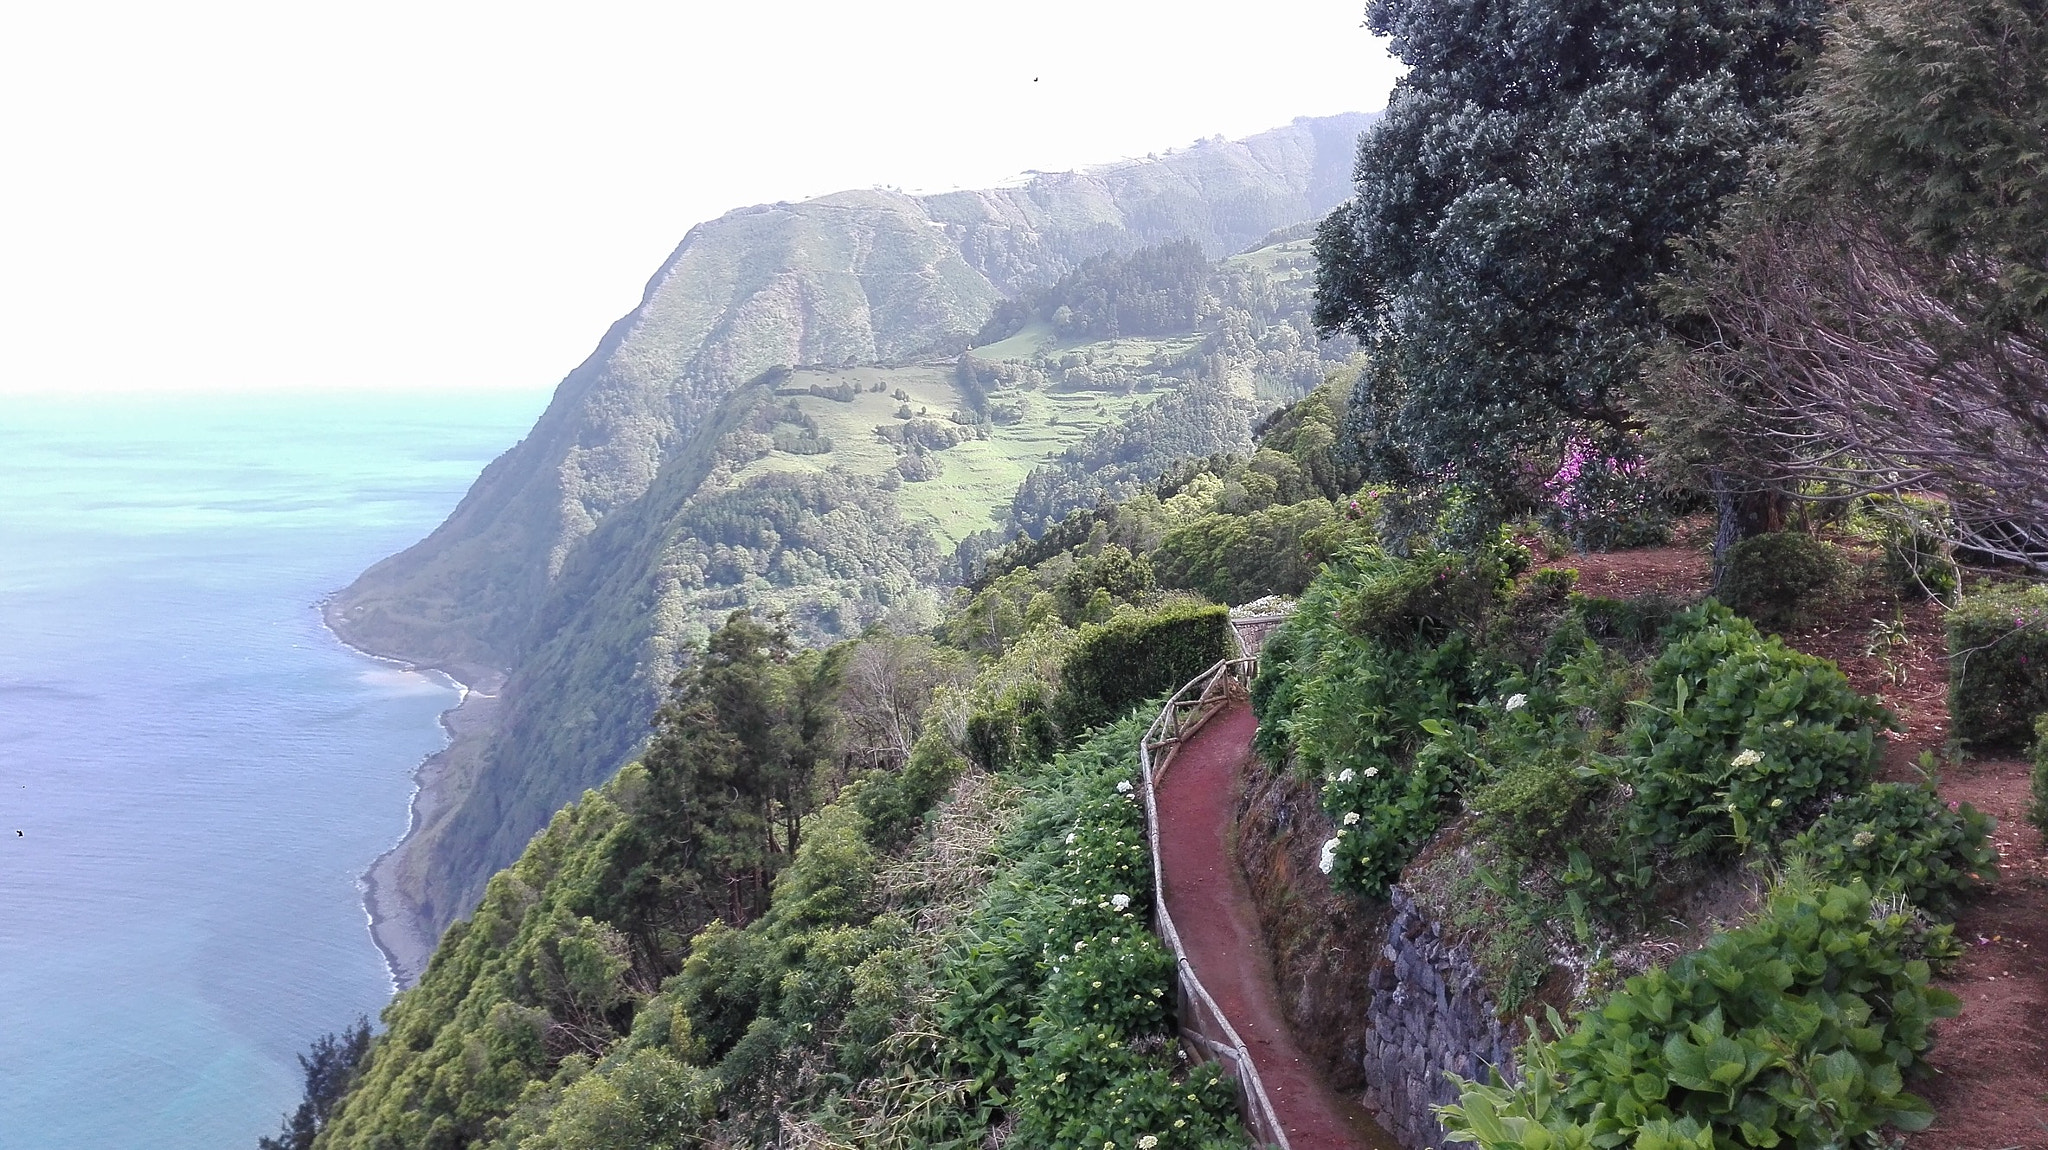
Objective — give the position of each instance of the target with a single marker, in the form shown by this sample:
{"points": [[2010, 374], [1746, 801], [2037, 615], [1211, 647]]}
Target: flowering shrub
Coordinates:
{"points": [[1794, 1030], [1903, 838], [1998, 664], [1058, 1001], [1740, 735], [1363, 686], [1601, 498]]}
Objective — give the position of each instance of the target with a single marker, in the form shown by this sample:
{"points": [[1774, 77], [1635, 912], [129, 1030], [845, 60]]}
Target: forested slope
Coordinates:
{"points": [[787, 422]]}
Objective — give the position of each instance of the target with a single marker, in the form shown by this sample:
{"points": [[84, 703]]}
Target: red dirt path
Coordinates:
{"points": [[1219, 927]]}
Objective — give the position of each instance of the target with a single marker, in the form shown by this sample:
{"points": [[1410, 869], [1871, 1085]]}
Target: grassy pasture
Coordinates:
{"points": [[979, 476]]}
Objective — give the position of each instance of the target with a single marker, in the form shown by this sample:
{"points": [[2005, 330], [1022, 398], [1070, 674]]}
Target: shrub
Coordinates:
{"points": [[1529, 810], [1739, 733], [1057, 994], [1913, 531], [1636, 623], [894, 802], [1903, 838], [1114, 666], [2038, 812], [1404, 602], [1384, 813], [1376, 659], [1794, 1030], [1777, 579], [1998, 664]]}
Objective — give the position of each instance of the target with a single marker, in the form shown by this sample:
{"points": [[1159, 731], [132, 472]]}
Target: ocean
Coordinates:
{"points": [[193, 771]]}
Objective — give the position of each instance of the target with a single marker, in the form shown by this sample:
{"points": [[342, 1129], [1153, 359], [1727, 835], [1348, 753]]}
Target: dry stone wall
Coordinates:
{"points": [[1428, 1013]]}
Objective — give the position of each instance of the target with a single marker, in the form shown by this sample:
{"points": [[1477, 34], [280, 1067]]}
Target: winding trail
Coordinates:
{"points": [[1219, 928]]}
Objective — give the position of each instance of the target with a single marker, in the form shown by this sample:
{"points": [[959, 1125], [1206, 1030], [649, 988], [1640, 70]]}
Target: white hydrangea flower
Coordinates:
{"points": [[1124, 787], [1148, 1142], [1329, 859], [1372, 772], [1776, 803], [1863, 839], [1351, 818], [1346, 775], [1748, 758], [1120, 901], [1517, 702]]}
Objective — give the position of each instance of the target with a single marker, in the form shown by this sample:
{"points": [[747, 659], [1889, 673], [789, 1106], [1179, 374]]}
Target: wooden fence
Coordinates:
{"points": [[1203, 1025]]}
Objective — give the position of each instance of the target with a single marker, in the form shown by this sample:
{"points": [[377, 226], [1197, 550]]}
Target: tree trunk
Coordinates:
{"points": [[1742, 512]]}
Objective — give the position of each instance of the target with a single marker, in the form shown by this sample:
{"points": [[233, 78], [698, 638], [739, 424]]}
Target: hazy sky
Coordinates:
{"points": [[276, 194]]}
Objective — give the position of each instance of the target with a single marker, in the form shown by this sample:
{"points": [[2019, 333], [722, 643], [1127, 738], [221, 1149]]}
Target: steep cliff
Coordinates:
{"points": [[647, 496]]}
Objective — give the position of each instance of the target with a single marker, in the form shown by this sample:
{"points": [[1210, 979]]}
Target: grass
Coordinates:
{"points": [[979, 477]]}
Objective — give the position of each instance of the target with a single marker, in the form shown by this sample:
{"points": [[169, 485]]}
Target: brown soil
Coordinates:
{"points": [[1679, 571], [1212, 906]]}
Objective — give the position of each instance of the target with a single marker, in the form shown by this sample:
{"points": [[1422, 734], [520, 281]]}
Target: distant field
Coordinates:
{"points": [[979, 477], [1286, 261]]}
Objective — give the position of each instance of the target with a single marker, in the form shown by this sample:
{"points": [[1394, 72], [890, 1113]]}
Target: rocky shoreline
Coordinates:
{"points": [[399, 926]]}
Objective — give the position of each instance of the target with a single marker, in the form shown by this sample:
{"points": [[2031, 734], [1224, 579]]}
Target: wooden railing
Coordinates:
{"points": [[1202, 1023]]}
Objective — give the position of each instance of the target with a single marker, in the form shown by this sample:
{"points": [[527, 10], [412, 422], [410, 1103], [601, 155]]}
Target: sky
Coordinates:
{"points": [[281, 195]]}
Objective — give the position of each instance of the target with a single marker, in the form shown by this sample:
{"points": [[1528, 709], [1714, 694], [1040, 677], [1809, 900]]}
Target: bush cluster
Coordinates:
{"points": [[1795, 1030], [1740, 735], [1901, 838], [1998, 664], [1777, 579], [1365, 685]]}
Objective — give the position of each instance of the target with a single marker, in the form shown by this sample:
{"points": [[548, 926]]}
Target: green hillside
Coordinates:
{"points": [[787, 423]]}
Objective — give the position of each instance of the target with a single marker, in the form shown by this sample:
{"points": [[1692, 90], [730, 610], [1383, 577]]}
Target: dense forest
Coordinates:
{"points": [[1772, 269]]}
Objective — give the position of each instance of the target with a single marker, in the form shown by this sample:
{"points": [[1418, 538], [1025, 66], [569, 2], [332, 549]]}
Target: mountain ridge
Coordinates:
{"points": [[523, 586]]}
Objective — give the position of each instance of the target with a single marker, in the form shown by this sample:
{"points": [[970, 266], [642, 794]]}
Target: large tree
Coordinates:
{"points": [[735, 765], [1873, 316], [1514, 207]]}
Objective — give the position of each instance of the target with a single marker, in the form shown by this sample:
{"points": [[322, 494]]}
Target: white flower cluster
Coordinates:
{"points": [[1124, 787], [1350, 818], [1120, 902], [1517, 702], [1329, 859], [1746, 759]]}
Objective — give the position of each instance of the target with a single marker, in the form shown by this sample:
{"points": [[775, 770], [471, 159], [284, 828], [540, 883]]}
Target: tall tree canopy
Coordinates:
{"points": [[1516, 203], [1873, 316]]}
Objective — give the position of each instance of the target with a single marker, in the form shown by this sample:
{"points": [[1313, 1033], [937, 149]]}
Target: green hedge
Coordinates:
{"points": [[1998, 664], [1795, 1030], [1114, 666], [1778, 579]]}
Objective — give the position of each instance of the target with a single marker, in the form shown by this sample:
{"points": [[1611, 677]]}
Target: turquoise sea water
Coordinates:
{"points": [[197, 770]]}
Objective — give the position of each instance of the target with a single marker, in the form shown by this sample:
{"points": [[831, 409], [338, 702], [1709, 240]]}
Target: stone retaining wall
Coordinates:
{"points": [[1428, 1013]]}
